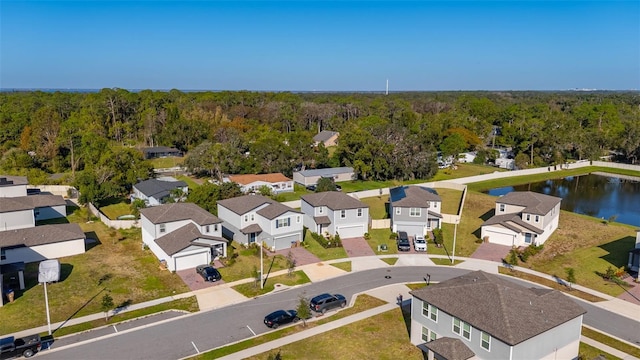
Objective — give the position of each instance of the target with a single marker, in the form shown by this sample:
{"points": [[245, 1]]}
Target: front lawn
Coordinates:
{"points": [[253, 289], [323, 254], [381, 237], [248, 261], [451, 199], [298, 191], [167, 162]]}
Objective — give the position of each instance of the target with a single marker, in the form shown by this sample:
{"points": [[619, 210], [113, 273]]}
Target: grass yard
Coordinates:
{"points": [[549, 283], [390, 260], [248, 261], [166, 162], [298, 191], [464, 170], [191, 181], [114, 210], [253, 289], [607, 340], [450, 200], [384, 336], [323, 254], [377, 206], [589, 352], [116, 262], [345, 265], [381, 237], [445, 262]]}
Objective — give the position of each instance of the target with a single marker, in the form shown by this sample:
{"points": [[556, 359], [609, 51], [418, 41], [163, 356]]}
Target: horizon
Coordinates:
{"points": [[316, 46]]}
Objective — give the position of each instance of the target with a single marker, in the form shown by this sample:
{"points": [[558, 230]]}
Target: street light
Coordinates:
{"points": [[455, 231]]}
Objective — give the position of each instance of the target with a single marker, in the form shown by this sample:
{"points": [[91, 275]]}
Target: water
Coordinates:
{"points": [[593, 195]]}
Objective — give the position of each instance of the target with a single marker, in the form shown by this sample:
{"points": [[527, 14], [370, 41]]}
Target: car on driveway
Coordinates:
{"points": [[208, 273], [311, 187], [326, 301], [419, 243], [403, 241], [281, 317]]}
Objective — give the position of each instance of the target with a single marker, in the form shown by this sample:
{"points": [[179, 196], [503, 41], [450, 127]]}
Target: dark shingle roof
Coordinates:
{"points": [[412, 196], [334, 200], [510, 221], [160, 149], [6, 180], [158, 188], [40, 235], [322, 220], [324, 135], [179, 211], [243, 204], [30, 202], [253, 228], [450, 348], [274, 210], [326, 172], [182, 238], [534, 203], [502, 308]]}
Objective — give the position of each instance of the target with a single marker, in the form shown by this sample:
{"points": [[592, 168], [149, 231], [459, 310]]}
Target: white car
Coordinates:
{"points": [[419, 243]]}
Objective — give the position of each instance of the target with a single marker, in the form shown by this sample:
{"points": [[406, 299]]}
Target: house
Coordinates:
{"points": [[505, 159], [522, 218], [327, 138], [182, 234], [158, 191], [160, 152], [276, 182], [311, 177], [335, 212], [467, 157], [252, 219], [414, 209], [634, 257], [21, 241], [485, 316]]}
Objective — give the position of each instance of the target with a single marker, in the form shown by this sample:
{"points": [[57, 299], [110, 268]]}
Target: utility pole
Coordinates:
{"points": [[455, 231], [261, 269]]}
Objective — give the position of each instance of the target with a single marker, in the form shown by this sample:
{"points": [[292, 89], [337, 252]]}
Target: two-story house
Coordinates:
{"points": [[334, 212], [257, 219], [485, 316], [276, 182], [522, 218], [184, 235], [414, 209], [158, 191]]}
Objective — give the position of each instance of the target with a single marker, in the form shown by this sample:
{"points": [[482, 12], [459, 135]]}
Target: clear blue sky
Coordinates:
{"points": [[323, 46]]}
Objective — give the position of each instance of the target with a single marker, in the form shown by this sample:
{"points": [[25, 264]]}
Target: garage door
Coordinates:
{"points": [[191, 261], [350, 231], [497, 237], [285, 242], [412, 230]]}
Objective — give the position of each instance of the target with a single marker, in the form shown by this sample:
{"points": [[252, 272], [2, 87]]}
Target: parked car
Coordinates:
{"points": [[324, 302], [311, 187], [281, 317], [208, 273], [338, 187], [419, 243], [27, 346], [403, 241]]}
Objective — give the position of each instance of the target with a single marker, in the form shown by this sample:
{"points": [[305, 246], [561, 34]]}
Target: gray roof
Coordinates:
{"points": [[326, 172], [253, 228], [160, 149], [7, 180], [534, 203], [450, 348], [179, 211], [508, 311], [274, 210], [325, 135], [158, 188], [182, 238], [334, 200], [412, 196], [243, 204], [508, 221], [30, 202], [322, 220], [40, 235]]}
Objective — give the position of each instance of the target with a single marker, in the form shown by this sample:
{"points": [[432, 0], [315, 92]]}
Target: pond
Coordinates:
{"points": [[594, 195]]}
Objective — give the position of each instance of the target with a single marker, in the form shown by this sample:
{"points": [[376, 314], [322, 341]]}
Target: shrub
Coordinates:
{"points": [[393, 236], [367, 236], [438, 237], [327, 243]]}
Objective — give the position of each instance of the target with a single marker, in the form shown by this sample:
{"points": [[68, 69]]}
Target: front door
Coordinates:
{"points": [[252, 238], [527, 238]]}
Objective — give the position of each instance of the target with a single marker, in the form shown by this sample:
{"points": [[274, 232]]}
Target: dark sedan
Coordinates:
{"points": [[208, 273], [281, 317]]}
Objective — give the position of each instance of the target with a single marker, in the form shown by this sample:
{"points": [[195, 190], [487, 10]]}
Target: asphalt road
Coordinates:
{"points": [[186, 335]]}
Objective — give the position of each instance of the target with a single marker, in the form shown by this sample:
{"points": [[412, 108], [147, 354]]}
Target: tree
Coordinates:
{"points": [[571, 277], [136, 205], [452, 145], [291, 264], [107, 305], [512, 260], [325, 184], [303, 310]]}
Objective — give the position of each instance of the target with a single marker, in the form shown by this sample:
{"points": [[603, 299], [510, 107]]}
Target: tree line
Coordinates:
{"points": [[96, 137]]}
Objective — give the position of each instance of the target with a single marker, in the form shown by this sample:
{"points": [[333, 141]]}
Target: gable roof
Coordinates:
{"points": [[7, 180], [450, 348], [334, 200], [158, 188], [41, 235], [533, 202], [30, 202], [251, 178], [512, 222], [325, 135], [502, 308], [182, 238], [326, 171], [274, 210], [179, 211], [412, 196], [243, 204]]}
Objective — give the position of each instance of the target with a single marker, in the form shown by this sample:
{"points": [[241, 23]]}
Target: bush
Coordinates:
{"points": [[327, 243], [528, 252], [438, 238], [393, 236], [367, 236]]}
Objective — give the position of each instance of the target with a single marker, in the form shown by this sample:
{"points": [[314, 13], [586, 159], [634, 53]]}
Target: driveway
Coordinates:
{"points": [[194, 281], [357, 247], [301, 255], [492, 252]]}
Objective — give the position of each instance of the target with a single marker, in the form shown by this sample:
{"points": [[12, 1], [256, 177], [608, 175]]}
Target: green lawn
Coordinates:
{"points": [[298, 191], [464, 170], [377, 206], [253, 289], [114, 210], [450, 200], [323, 254], [166, 162], [345, 265], [248, 260], [191, 181], [614, 343], [381, 237]]}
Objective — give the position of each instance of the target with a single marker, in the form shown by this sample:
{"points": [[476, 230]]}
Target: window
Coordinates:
{"points": [[428, 335], [246, 217], [430, 311], [456, 326], [528, 217], [215, 227], [207, 229], [163, 228], [283, 222], [502, 208], [320, 210], [414, 212], [298, 219], [397, 211], [434, 313], [343, 214], [462, 328], [536, 218], [3, 254], [466, 331], [359, 212], [485, 341], [252, 218]]}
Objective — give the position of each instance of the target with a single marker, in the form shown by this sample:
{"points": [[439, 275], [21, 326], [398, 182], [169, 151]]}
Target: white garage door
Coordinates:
{"points": [[350, 231], [497, 237], [191, 261], [412, 230], [286, 242]]}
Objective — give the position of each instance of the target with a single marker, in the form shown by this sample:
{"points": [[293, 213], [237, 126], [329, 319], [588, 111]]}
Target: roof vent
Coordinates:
{"points": [[530, 302]]}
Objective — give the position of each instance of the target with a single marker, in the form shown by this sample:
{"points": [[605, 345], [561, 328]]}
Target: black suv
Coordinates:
{"points": [[281, 317], [324, 302], [403, 241], [208, 273]]}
